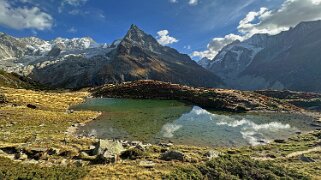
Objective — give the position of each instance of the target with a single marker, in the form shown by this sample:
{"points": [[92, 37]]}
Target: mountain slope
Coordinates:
{"points": [[137, 56], [13, 80], [289, 60]]}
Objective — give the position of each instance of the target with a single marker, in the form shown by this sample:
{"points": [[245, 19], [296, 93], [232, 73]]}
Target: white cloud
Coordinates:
{"points": [[216, 45], [173, 1], [193, 2], [190, 2], [24, 17], [188, 47], [291, 13], [74, 3], [288, 15], [72, 30], [164, 39]]}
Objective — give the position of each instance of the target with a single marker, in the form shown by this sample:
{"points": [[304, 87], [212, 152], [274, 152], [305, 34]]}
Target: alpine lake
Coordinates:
{"points": [[155, 121]]}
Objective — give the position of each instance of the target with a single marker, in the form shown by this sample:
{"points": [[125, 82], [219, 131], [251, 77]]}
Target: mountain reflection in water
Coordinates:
{"points": [[156, 121]]}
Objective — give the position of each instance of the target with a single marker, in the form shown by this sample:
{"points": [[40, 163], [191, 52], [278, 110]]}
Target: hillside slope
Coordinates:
{"points": [[289, 60]]}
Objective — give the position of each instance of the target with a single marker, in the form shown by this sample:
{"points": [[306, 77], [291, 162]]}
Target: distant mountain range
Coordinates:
{"points": [[289, 60], [81, 62]]}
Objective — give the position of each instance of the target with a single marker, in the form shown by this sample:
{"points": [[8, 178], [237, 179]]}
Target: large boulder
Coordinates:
{"points": [[211, 154], [108, 151], [173, 155], [114, 147]]}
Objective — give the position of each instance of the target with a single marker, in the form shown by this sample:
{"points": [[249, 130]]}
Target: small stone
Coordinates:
{"points": [[166, 144], [31, 106], [211, 154], [306, 159], [141, 147], [135, 143], [21, 156], [91, 147], [147, 164], [63, 162], [69, 111], [53, 151], [85, 156], [106, 158], [79, 163], [279, 141]]}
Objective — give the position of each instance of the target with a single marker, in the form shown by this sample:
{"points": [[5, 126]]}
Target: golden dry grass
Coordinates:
{"points": [[46, 126]]}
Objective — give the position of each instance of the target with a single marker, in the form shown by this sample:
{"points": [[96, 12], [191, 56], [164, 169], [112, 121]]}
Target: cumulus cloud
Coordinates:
{"points": [[24, 17], [72, 30], [74, 3], [193, 2], [216, 45], [164, 39], [190, 2], [173, 1], [291, 13]]}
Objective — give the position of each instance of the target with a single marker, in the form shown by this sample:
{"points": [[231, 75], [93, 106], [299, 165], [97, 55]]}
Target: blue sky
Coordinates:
{"points": [[192, 25]]}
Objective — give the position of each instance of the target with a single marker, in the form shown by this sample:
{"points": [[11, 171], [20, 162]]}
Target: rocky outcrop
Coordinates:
{"points": [[310, 101], [217, 99]]}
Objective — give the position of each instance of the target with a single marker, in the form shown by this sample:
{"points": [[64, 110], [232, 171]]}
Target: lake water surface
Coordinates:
{"points": [[154, 121]]}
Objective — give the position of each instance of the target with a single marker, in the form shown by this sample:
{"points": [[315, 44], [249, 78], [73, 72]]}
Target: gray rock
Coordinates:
{"points": [[279, 141], [166, 144], [113, 147], [53, 151], [135, 143], [173, 155], [106, 158], [79, 163], [108, 151], [147, 164], [85, 156], [306, 159], [211, 154], [21, 156]]}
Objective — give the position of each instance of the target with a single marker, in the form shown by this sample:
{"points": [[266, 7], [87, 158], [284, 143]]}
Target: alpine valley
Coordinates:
{"points": [[135, 109]]}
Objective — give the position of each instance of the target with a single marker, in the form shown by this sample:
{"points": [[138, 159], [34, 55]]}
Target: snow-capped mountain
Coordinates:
{"points": [[289, 60], [22, 55], [81, 62]]}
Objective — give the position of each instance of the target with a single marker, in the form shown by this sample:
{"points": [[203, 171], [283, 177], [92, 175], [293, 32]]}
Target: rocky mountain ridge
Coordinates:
{"points": [[289, 60], [81, 62]]}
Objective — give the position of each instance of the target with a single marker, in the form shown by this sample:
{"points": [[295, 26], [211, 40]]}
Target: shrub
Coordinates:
{"points": [[236, 167], [11, 170]]}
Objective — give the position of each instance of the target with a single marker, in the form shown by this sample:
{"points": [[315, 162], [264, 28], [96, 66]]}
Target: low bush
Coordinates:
{"points": [[235, 167], [11, 170]]}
